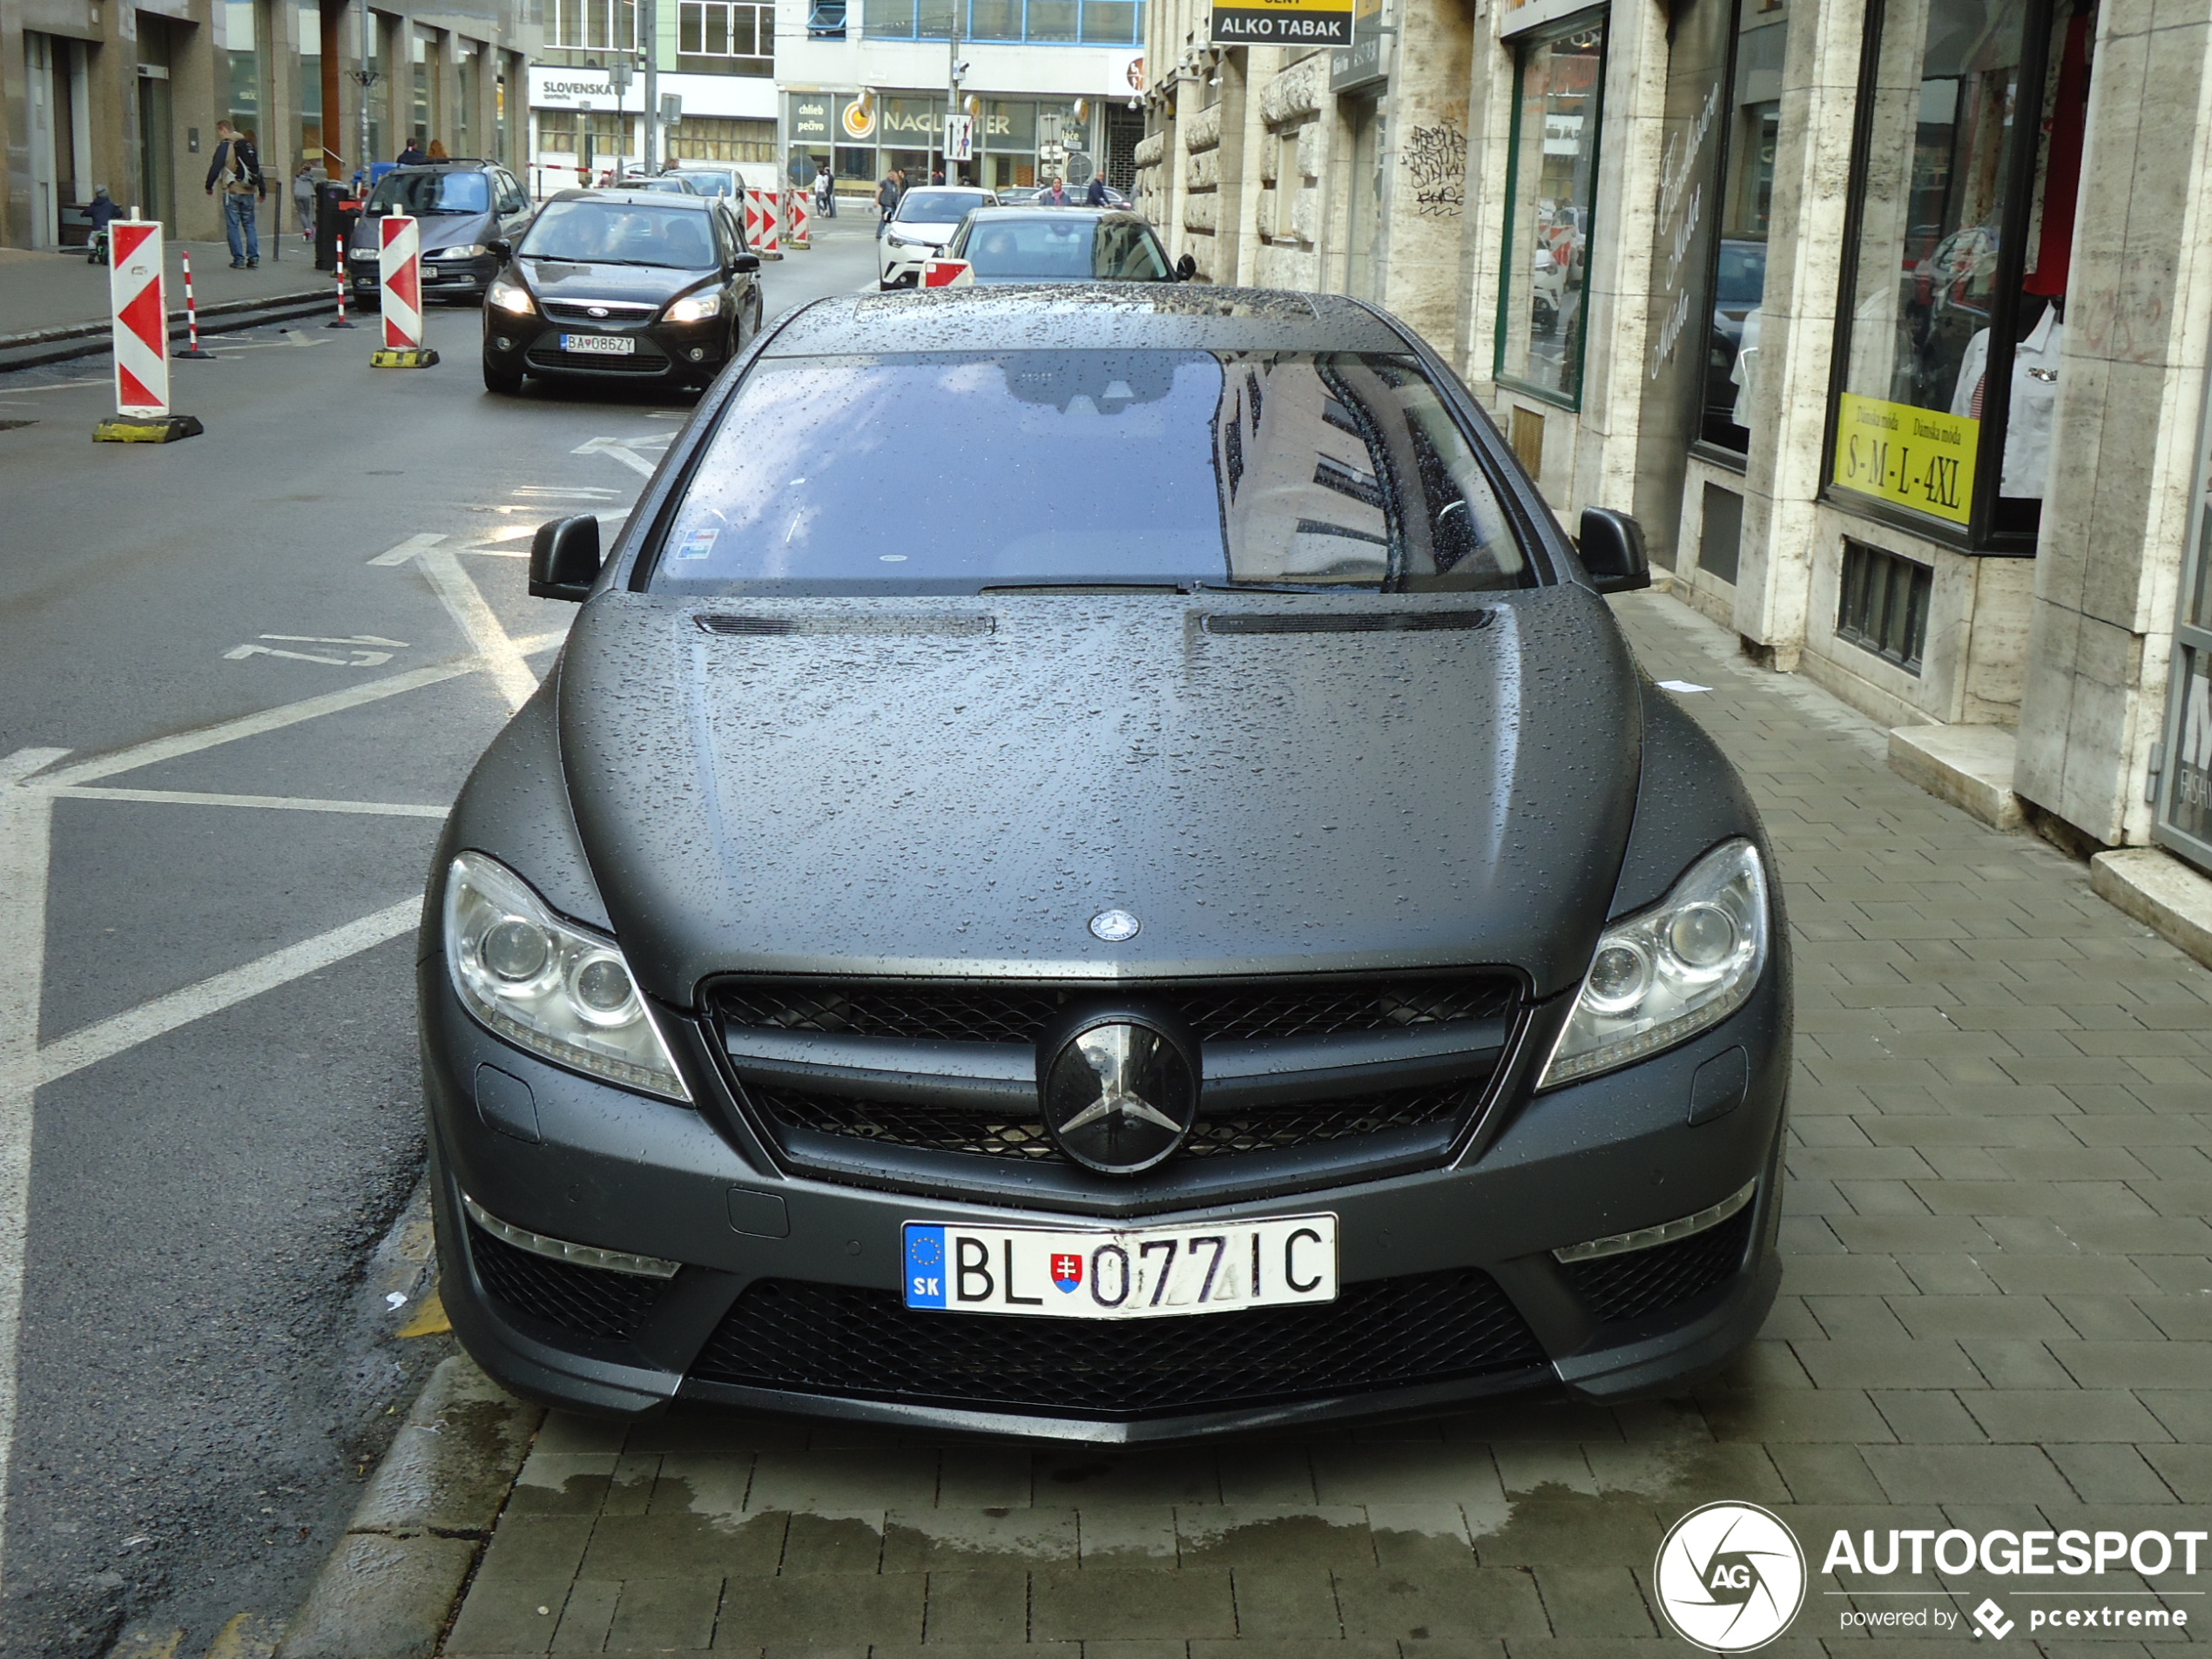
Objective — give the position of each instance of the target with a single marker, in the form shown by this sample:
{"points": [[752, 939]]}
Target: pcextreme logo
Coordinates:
{"points": [[1729, 1577]]}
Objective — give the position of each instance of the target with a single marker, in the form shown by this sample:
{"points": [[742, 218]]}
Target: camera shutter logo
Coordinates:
{"points": [[1729, 1577]]}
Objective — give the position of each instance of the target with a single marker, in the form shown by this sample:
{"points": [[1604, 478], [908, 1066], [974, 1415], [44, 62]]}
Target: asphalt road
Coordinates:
{"points": [[214, 1079]]}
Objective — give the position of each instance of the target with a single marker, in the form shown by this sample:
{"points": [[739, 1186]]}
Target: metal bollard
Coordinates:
{"points": [[341, 322]]}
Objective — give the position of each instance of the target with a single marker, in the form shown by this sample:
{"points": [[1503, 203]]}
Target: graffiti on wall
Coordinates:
{"points": [[1437, 158]]}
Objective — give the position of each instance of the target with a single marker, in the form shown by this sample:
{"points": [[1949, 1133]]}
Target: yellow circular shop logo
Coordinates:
{"points": [[859, 120]]}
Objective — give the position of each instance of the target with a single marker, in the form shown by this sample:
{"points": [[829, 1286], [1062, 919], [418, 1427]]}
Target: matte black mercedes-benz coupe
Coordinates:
{"points": [[1241, 945]]}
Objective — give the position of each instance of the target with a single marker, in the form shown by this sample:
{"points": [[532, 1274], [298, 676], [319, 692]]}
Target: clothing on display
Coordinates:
{"points": [[1745, 371], [2026, 471]]}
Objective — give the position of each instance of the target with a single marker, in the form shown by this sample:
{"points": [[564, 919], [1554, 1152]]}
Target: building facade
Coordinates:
{"points": [[108, 92], [1889, 319]]}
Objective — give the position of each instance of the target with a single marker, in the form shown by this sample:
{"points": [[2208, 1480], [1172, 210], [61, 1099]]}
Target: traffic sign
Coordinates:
{"points": [[959, 138]]}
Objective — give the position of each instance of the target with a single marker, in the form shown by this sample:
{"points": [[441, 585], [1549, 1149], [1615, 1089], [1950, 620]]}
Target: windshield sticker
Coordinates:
{"points": [[698, 544]]}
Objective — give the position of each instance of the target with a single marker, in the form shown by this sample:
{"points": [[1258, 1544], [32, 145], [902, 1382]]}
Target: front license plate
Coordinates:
{"points": [[599, 345], [1130, 1273]]}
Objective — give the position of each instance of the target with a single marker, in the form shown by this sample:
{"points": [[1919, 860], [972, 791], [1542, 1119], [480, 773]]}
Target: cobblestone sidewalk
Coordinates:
{"points": [[1996, 1313]]}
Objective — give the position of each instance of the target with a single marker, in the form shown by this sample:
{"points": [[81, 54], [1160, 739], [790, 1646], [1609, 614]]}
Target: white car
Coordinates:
{"points": [[923, 222]]}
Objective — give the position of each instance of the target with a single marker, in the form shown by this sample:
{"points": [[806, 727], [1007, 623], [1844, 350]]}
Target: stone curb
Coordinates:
{"points": [[389, 1588], [39, 346], [2159, 891]]}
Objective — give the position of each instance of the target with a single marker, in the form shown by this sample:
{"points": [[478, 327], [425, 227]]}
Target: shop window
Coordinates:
{"points": [[239, 16], [713, 138], [1969, 154], [1750, 127], [2181, 780], [1559, 85], [1884, 605], [1720, 533]]}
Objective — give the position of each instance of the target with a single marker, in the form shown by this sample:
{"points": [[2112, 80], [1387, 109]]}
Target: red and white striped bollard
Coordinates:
{"points": [[341, 322], [137, 292], [192, 311]]}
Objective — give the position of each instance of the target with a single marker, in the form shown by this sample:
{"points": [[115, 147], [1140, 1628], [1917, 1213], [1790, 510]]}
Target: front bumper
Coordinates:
{"points": [[901, 266], [441, 279], [623, 1172], [662, 352]]}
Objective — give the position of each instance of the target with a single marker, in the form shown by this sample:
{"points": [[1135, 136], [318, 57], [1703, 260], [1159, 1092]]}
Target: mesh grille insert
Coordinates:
{"points": [[1638, 1282], [1021, 1133], [589, 1299], [997, 1011], [1383, 1333]]}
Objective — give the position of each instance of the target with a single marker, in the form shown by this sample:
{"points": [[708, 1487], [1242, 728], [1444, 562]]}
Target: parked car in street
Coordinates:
{"points": [[923, 222], [1112, 964], [623, 285], [464, 206], [677, 184], [1063, 245]]}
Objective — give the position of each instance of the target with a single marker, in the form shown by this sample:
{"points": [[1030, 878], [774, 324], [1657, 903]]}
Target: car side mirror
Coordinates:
{"points": [[746, 264], [1613, 551], [500, 247], [1186, 268], [564, 558]]}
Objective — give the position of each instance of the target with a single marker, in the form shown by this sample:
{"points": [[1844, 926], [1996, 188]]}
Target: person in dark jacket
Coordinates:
{"points": [[825, 191], [886, 198], [237, 169], [1053, 195], [1095, 196], [414, 155], [102, 213]]}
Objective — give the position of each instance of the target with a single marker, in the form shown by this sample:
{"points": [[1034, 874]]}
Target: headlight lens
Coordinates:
{"points": [[510, 295], [895, 241], [1688, 962], [697, 308], [459, 251], [547, 986]]}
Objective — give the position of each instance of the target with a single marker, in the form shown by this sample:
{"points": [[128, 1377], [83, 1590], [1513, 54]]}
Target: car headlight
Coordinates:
{"points": [[545, 986], [462, 251], [697, 308], [510, 295], [1688, 962], [896, 241]]}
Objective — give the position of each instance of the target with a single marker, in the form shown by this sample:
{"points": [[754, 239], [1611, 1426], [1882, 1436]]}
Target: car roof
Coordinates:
{"points": [[443, 163], [1073, 316], [631, 198], [1055, 215]]}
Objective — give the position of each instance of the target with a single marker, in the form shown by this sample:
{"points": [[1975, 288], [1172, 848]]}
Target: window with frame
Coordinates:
{"points": [[1559, 96], [1972, 119], [1750, 128], [593, 25], [560, 132], [714, 137], [1882, 604], [727, 38]]}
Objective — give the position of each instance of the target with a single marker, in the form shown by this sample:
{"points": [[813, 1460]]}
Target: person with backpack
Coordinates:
{"points": [[237, 168], [886, 198]]}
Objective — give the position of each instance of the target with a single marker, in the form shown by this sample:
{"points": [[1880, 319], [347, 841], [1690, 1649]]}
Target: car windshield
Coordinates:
{"points": [[672, 187], [937, 207], [708, 184], [858, 475], [432, 193], [607, 232], [1051, 248]]}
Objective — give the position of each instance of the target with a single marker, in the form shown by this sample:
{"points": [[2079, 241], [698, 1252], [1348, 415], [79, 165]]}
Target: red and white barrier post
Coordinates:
{"points": [[398, 272], [799, 215], [340, 322], [942, 273], [192, 311], [762, 223], [136, 291]]}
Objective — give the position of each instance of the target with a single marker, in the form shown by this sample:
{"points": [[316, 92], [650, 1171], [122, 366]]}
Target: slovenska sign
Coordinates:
{"points": [[1919, 458], [1283, 22]]}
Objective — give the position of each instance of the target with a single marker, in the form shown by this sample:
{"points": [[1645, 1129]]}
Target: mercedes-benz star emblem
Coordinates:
{"points": [[1114, 926], [1120, 1090]]}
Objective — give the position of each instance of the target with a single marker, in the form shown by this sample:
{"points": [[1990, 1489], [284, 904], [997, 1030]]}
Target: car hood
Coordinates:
{"points": [[958, 787], [923, 231], [435, 230], [581, 280]]}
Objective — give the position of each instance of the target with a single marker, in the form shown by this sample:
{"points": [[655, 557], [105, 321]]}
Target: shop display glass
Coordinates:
{"points": [[1957, 267], [1559, 87]]}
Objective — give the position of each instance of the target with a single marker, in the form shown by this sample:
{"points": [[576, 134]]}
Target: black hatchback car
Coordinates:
{"points": [[623, 285], [1245, 951], [465, 209]]}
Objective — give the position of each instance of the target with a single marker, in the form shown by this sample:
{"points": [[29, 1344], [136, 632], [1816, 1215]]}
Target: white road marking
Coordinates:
{"points": [[357, 660], [349, 639], [621, 449], [91, 1044], [252, 726], [465, 602], [536, 492], [26, 822], [279, 803]]}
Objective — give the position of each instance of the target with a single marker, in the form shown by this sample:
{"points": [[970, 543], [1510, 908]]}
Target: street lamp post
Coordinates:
{"points": [[649, 31]]}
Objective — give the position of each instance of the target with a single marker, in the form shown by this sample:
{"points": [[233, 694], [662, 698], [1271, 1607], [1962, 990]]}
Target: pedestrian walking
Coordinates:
{"points": [[237, 169], [1095, 196], [103, 212], [413, 156], [1054, 194], [437, 150], [825, 191], [311, 173], [887, 199]]}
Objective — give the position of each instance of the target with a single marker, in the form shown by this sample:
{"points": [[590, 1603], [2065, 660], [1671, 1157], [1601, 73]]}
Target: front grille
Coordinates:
{"points": [[1638, 1282], [997, 1011], [1383, 1333], [1021, 1133], [617, 313], [589, 1299]]}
